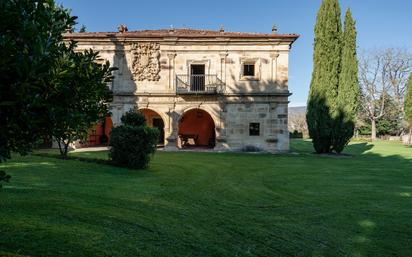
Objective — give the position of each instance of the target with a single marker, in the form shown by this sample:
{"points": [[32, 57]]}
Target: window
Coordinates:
{"points": [[249, 69], [254, 129]]}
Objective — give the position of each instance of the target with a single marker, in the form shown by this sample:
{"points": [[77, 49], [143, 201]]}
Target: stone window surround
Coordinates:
{"points": [[205, 62], [254, 61]]}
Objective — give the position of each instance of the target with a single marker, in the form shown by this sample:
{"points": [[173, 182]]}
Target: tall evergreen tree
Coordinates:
{"points": [[348, 90], [408, 106], [322, 102]]}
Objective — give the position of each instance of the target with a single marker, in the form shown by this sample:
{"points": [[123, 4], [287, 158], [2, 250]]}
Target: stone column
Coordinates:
{"points": [[274, 69], [221, 139], [220, 127], [117, 113], [172, 78], [223, 66], [171, 135]]}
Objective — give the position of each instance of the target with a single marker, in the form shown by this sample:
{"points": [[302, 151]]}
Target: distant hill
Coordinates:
{"points": [[297, 110]]}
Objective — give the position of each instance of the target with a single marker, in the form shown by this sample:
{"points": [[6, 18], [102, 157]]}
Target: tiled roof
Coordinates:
{"points": [[181, 33]]}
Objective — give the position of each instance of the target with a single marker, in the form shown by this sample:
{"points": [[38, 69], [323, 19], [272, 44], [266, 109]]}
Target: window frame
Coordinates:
{"points": [[250, 61], [244, 71]]}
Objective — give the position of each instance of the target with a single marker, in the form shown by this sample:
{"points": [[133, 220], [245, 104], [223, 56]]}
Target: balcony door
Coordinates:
{"points": [[197, 77]]}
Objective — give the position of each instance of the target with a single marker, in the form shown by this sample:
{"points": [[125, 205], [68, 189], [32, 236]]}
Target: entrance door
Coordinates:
{"points": [[197, 77], [158, 123]]}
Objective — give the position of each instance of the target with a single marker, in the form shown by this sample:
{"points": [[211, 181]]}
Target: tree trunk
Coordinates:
{"points": [[60, 146], [63, 147], [410, 136], [66, 146], [373, 125]]}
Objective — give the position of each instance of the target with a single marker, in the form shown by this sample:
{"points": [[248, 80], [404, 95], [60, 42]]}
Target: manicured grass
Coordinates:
{"points": [[211, 204]]}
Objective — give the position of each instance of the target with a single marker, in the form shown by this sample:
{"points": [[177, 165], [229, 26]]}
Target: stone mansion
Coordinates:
{"points": [[201, 88]]}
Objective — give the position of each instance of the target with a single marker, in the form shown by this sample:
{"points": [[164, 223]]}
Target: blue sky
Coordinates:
{"points": [[380, 23]]}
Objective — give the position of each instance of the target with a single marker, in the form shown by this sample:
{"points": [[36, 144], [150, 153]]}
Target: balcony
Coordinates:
{"points": [[198, 84]]}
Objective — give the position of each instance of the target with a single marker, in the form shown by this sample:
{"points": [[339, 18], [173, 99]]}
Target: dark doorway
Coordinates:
{"points": [[197, 77], [158, 123]]}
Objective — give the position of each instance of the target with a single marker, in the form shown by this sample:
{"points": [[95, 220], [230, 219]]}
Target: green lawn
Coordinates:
{"points": [[213, 204]]}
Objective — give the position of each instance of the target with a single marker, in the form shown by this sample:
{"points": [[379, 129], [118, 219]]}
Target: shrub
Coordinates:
{"points": [[133, 142], [133, 118], [251, 149], [295, 134]]}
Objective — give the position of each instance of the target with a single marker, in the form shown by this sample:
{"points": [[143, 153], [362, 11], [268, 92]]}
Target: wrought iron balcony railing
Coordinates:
{"points": [[198, 84]]}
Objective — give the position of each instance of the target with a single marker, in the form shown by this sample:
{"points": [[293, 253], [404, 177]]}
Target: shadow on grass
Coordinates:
{"points": [[366, 150], [105, 165], [305, 146], [359, 148]]}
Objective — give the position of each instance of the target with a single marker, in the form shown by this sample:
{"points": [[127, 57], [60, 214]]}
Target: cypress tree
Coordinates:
{"points": [[322, 102], [348, 90], [408, 106]]}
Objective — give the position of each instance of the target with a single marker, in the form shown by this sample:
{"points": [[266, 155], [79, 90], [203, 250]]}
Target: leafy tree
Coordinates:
{"points": [[323, 93], [388, 124], [348, 89], [30, 41], [408, 106], [80, 95], [133, 142]]}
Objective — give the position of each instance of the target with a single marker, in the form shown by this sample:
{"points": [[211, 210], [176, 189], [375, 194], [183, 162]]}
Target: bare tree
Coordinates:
{"points": [[399, 66], [373, 87], [383, 75], [297, 121]]}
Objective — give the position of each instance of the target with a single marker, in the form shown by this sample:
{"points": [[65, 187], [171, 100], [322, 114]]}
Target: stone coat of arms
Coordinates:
{"points": [[145, 61]]}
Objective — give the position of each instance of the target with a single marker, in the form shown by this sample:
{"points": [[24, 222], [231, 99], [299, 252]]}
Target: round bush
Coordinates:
{"points": [[131, 145], [133, 118]]}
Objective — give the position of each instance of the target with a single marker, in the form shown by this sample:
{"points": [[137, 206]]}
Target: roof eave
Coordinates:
{"points": [[102, 35]]}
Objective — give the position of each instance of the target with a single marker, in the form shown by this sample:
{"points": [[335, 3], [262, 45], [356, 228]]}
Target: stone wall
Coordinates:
{"points": [[272, 120]]}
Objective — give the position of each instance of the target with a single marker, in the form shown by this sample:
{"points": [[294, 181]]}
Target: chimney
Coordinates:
{"points": [[171, 30], [122, 28], [274, 29]]}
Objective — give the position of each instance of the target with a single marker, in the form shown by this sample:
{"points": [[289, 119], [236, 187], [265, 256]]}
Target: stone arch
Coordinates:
{"points": [[155, 119], [207, 109], [196, 128]]}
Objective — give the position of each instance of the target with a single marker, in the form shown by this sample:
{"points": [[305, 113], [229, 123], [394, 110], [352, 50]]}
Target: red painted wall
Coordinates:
{"points": [[97, 131], [149, 115], [108, 128]]}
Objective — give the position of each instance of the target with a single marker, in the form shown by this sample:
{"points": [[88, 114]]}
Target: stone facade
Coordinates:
{"points": [[243, 81]]}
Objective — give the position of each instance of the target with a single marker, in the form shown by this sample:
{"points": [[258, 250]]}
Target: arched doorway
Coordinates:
{"points": [[154, 120], [196, 129]]}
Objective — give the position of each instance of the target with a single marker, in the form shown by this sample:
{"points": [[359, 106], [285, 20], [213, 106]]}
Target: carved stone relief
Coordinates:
{"points": [[145, 61]]}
